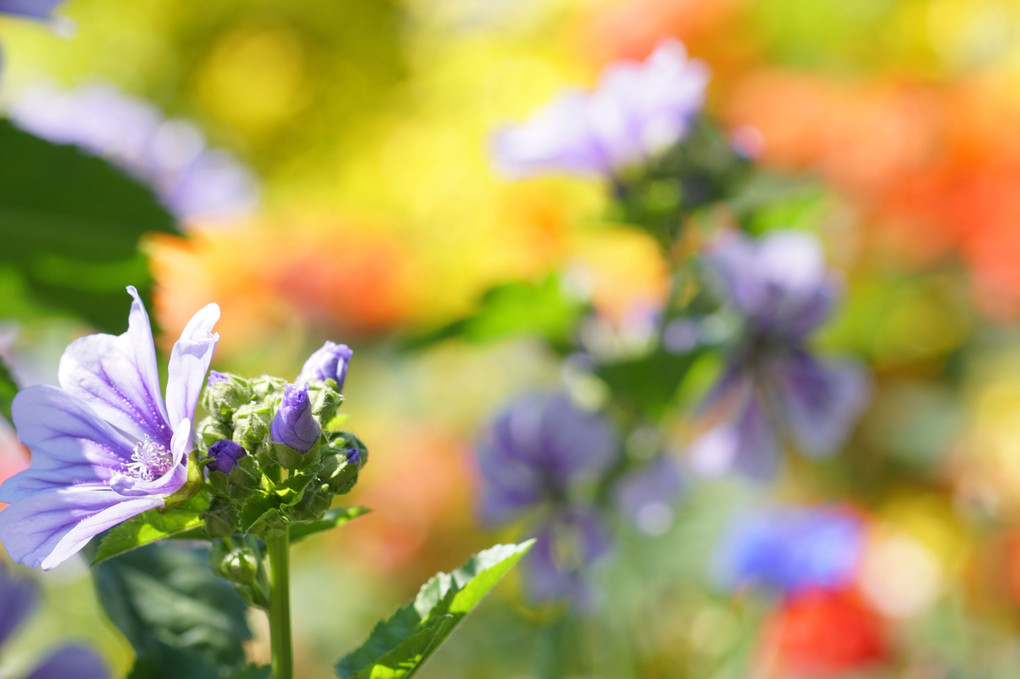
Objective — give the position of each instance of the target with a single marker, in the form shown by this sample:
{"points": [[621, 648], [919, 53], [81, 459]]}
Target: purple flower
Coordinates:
{"points": [[565, 548], [328, 363], [646, 495], [224, 455], [18, 598], [791, 549], [105, 445], [536, 450], [171, 156], [294, 425], [31, 9], [772, 384], [637, 111]]}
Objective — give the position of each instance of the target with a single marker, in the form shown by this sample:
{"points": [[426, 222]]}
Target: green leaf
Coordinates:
{"points": [[544, 309], [8, 389], [332, 519], [181, 620], [71, 225], [151, 526], [647, 383], [398, 647]]}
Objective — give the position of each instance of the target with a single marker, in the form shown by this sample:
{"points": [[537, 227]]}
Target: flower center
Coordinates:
{"points": [[149, 460]]}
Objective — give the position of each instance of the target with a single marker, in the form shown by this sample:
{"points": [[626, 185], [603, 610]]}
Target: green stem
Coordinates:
{"points": [[278, 546]]}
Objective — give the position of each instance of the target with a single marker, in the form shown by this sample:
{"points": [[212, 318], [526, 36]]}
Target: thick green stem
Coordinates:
{"points": [[278, 546]]}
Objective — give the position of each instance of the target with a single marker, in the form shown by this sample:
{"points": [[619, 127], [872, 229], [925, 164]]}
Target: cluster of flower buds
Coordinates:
{"points": [[272, 455]]}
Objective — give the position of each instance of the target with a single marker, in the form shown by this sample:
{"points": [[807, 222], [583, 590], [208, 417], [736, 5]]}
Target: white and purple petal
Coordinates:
{"points": [[189, 362], [118, 377], [48, 527], [70, 443]]}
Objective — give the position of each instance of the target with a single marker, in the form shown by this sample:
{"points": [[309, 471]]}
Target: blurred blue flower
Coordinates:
{"points": [[565, 546], [637, 111], [791, 549], [18, 598], [30, 9], [171, 156], [772, 384], [536, 450], [534, 455]]}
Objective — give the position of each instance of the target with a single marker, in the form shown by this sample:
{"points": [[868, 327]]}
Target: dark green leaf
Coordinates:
{"points": [[332, 519], [181, 620], [151, 526], [398, 647], [544, 309], [71, 226]]}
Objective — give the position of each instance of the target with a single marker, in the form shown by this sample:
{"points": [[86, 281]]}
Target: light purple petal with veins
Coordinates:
{"points": [[70, 443], [118, 377], [47, 528], [189, 362], [102, 448], [71, 660]]}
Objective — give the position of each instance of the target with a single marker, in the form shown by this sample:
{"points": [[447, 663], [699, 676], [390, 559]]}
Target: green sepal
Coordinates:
{"points": [[153, 525], [398, 647]]}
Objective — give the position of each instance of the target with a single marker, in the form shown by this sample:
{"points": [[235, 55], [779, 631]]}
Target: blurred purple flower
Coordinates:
{"points": [[18, 598], [772, 383], [31, 9], [536, 449], [534, 454], [646, 495], [564, 548], [791, 549], [105, 445], [171, 156], [329, 362], [294, 425], [637, 111]]}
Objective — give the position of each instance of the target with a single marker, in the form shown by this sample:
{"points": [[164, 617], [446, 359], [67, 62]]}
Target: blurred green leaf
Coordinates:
{"points": [[544, 309], [151, 526], [71, 226], [181, 620], [8, 388], [647, 383], [398, 647], [332, 519]]}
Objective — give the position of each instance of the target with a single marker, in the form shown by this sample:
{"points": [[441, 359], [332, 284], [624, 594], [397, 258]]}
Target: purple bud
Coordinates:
{"points": [[294, 426], [225, 454], [328, 363], [354, 456], [215, 377]]}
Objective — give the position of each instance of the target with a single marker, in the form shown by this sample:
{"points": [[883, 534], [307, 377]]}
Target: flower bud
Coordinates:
{"points": [[224, 455], [328, 363], [224, 393], [294, 425], [210, 430], [251, 424]]}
